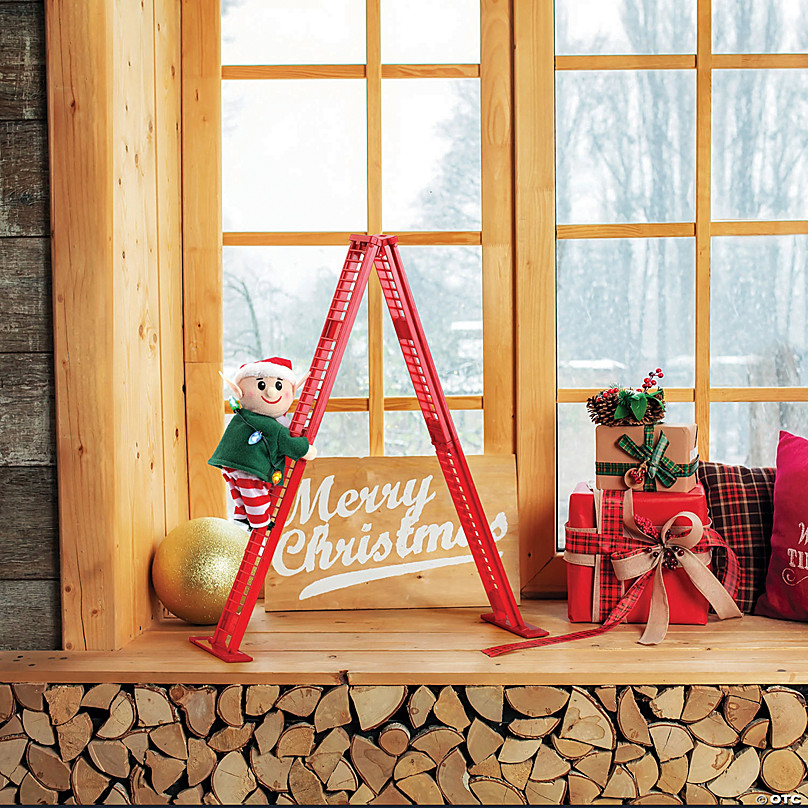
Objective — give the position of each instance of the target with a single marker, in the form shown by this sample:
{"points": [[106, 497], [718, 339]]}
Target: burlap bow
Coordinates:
{"points": [[671, 550]]}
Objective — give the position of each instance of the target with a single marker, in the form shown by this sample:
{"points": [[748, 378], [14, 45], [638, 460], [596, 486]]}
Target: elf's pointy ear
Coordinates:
{"points": [[233, 386], [301, 380]]}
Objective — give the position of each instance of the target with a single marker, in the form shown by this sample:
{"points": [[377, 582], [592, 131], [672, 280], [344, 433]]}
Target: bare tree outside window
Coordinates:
{"points": [[626, 153], [275, 299]]}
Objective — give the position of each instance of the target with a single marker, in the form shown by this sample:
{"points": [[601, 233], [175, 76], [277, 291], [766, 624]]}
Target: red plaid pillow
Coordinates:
{"points": [[741, 504]]}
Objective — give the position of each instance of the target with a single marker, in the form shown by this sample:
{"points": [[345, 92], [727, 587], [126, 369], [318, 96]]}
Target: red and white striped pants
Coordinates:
{"points": [[252, 496]]}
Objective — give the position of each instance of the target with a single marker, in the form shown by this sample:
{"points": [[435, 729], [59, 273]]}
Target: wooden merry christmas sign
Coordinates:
{"points": [[382, 533]]}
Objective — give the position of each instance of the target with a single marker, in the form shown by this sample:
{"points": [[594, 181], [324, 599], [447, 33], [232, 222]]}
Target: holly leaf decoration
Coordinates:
{"points": [[639, 405], [622, 411]]}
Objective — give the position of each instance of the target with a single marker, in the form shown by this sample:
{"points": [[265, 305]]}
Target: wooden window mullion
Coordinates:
{"points": [[542, 570], [496, 143], [703, 218], [374, 180]]}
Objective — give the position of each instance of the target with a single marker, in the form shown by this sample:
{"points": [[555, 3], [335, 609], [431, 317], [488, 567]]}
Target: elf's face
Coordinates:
{"points": [[267, 395]]}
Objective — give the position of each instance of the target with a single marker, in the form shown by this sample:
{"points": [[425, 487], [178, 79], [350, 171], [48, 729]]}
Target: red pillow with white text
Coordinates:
{"points": [[786, 595]]}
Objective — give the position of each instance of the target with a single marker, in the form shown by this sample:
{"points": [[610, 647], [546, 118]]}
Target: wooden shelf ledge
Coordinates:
{"points": [[436, 647]]}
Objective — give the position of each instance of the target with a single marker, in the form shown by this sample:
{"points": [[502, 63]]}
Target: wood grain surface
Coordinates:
{"points": [[382, 532], [23, 178], [29, 561], [29, 615], [22, 45], [25, 297], [437, 647], [29, 535], [26, 409]]}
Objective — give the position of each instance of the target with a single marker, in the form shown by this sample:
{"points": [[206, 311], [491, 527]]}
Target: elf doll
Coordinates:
{"points": [[253, 450]]}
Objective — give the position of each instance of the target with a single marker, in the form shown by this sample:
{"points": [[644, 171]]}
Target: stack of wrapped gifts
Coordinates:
{"points": [[639, 545]]}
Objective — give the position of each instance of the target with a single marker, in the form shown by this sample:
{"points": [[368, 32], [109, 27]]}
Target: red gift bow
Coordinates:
{"points": [[646, 564]]}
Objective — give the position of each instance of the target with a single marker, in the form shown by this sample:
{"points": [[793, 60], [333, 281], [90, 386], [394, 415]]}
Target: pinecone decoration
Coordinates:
{"points": [[601, 407], [624, 406]]}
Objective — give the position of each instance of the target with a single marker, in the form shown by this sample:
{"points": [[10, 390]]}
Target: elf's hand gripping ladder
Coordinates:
{"points": [[363, 253]]}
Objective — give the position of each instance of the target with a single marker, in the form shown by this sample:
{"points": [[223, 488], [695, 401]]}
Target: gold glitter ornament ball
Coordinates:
{"points": [[195, 566]]}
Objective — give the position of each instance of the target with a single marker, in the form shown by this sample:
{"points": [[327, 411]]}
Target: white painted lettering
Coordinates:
{"points": [[345, 501], [319, 544], [382, 547], [434, 535], [278, 561], [403, 548], [368, 496], [307, 504]]}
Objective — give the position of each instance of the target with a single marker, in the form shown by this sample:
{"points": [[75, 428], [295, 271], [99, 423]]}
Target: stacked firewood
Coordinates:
{"points": [[258, 744]]}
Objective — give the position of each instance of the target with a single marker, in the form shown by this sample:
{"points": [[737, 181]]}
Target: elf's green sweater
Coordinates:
{"points": [[263, 457]]}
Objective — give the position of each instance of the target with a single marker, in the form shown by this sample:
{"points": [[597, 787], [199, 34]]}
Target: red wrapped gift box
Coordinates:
{"points": [[622, 566], [687, 604]]}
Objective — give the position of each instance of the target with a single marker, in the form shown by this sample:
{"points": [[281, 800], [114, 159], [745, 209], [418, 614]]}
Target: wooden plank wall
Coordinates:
{"points": [[29, 559]]}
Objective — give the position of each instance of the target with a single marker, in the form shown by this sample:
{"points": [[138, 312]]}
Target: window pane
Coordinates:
{"points": [[576, 457], [279, 32], [625, 146], [625, 26], [760, 26], [576, 450], [431, 154], [425, 32], [446, 284], [343, 434], [294, 155], [759, 306], [625, 306], [759, 166], [746, 433], [275, 303], [405, 433]]}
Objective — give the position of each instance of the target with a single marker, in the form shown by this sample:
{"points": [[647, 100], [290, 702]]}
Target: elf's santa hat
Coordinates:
{"points": [[274, 368]]}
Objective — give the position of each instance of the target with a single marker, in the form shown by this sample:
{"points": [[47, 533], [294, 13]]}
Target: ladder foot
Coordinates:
{"points": [[206, 644], [521, 630]]}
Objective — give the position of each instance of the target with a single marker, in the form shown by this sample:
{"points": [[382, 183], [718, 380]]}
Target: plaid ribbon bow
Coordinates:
{"points": [[653, 463], [646, 563]]}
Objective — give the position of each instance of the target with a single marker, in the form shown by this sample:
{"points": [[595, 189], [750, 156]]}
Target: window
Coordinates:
{"points": [[682, 232], [354, 117], [613, 228], [741, 183]]}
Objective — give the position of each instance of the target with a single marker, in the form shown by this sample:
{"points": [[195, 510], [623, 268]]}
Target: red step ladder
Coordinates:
{"points": [[363, 253]]}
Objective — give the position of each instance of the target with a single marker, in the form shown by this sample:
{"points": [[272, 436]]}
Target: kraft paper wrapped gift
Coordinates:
{"points": [[593, 588], [654, 457]]}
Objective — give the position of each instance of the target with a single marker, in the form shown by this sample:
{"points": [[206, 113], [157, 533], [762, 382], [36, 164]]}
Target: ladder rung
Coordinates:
{"points": [[332, 329]]}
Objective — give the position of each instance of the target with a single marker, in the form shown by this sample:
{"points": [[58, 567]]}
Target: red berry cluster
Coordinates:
{"points": [[649, 381], [612, 391], [647, 526]]}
